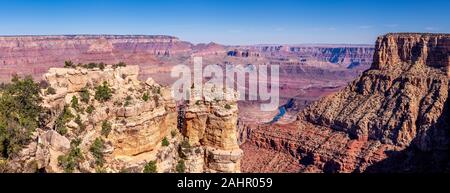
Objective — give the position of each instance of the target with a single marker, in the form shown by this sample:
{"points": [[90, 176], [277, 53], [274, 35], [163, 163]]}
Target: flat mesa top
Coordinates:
{"points": [[83, 36], [417, 34]]}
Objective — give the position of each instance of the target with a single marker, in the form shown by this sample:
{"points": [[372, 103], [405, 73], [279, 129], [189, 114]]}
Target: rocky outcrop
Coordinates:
{"points": [[429, 49], [397, 110], [137, 124], [398, 100], [212, 124]]}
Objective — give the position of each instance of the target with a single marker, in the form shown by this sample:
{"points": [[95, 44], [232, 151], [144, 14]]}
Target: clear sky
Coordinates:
{"points": [[228, 21]]}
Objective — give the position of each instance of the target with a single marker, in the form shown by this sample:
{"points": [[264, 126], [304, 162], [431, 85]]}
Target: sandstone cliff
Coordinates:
{"points": [[395, 116], [106, 120], [35, 54], [346, 56], [212, 124]]}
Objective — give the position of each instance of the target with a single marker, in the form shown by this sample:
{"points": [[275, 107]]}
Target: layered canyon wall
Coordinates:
{"points": [[392, 118], [106, 120]]}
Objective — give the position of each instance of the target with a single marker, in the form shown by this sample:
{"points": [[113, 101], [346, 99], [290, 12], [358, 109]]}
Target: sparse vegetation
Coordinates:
{"points": [[70, 161], [19, 114], [100, 170], [103, 93], [97, 151], [145, 97], [74, 103], [80, 123], [150, 167], [62, 120], [197, 103], [84, 94], [118, 103], [90, 109], [181, 167], [128, 101], [101, 66], [165, 142], [69, 64], [173, 133], [227, 106], [120, 64], [50, 91], [106, 128], [185, 144]]}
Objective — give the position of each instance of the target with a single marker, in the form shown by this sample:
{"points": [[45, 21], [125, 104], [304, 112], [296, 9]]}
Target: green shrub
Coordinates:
{"points": [[128, 101], [227, 106], [106, 128], [100, 170], [101, 66], [185, 144], [97, 151], [84, 94], [62, 120], [70, 161], [173, 133], [150, 167], [69, 64], [19, 114], [50, 91], [145, 97], [91, 65], [120, 64], [165, 142], [103, 92], [90, 109], [197, 103], [181, 167], [74, 103], [80, 123]]}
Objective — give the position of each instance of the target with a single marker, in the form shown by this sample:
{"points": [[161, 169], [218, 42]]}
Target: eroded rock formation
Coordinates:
{"points": [[212, 123], [392, 118], [106, 120]]}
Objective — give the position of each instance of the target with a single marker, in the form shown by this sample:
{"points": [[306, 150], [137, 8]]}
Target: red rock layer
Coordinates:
{"points": [[35, 54], [395, 116]]}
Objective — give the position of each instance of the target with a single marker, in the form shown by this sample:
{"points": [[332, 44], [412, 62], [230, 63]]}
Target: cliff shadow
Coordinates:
{"points": [[413, 160]]}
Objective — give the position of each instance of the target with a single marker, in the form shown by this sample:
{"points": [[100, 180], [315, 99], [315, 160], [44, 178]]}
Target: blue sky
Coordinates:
{"points": [[230, 21]]}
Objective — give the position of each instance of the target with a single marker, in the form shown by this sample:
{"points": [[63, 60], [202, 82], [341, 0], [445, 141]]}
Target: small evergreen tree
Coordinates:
{"points": [[150, 167], [181, 167], [97, 151], [165, 142], [103, 93], [84, 94], [106, 128]]}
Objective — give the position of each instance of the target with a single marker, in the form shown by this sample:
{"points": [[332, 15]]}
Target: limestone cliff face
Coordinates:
{"points": [[138, 124], [347, 56], [429, 49], [212, 124], [36, 54], [394, 116], [399, 99]]}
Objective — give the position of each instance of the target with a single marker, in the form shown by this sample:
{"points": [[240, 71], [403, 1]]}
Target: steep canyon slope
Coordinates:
{"points": [[393, 118]]}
